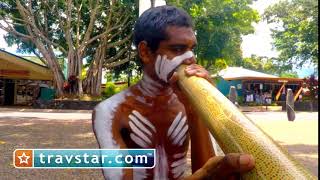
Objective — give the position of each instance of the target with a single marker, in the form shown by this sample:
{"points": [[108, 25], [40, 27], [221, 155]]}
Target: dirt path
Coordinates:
{"points": [[300, 137], [48, 130]]}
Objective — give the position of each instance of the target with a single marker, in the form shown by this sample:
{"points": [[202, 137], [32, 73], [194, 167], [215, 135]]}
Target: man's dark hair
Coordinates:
{"points": [[151, 25]]}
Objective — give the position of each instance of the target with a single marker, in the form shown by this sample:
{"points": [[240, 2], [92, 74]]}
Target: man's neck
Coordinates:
{"points": [[153, 88]]}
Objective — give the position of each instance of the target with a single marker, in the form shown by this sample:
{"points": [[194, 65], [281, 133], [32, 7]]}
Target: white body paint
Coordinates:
{"points": [[164, 67], [151, 88], [142, 129], [177, 133], [143, 132], [104, 113], [161, 169], [178, 130]]}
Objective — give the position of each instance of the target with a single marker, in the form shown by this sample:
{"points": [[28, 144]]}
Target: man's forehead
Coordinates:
{"points": [[180, 35]]}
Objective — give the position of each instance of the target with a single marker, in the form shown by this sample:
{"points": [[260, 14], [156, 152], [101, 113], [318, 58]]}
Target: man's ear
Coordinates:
{"points": [[144, 52]]}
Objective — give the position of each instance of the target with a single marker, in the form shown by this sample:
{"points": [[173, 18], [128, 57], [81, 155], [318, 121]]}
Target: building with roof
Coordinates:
{"points": [[20, 77], [251, 84]]}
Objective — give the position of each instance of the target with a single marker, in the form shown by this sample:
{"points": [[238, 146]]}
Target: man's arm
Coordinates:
{"points": [[107, 131], [201, 145]]}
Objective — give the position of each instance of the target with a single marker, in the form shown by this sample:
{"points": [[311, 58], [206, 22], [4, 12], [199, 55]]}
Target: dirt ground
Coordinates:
{"points": [[73, 130], [300, 137]]}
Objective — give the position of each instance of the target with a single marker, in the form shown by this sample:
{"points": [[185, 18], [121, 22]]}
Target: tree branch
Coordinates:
{"points": [[27, 16], [117, 56], [68, 26], [106, 32], [11, 30], [87, 35], [117, 63], [38, 55], [118, 32], [120, 42]]}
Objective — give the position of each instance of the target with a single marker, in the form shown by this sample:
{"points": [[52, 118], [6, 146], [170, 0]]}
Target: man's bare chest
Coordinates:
{"points": [[165, 131], [151, 129]]}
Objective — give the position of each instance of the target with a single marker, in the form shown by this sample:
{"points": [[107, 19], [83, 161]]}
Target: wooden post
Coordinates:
{"points": [[233, 94], [297, 94], [290, 105], [279, 92]]}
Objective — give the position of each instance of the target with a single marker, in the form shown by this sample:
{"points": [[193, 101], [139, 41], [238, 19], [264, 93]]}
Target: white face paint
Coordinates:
{"points": [[164, 67]]}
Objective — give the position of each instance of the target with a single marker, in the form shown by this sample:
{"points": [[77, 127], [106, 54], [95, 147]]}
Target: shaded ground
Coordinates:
{"points": [[40, 133], [73, 130]]}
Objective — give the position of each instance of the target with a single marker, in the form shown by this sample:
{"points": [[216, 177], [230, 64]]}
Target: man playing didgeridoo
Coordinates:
{"points": [[155, 114]]}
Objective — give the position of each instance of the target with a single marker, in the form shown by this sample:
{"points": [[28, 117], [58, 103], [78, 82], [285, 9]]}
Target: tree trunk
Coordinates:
{"points": [[92, 83], [58, 80], [53, 65], [58, 77], [75, 69]]}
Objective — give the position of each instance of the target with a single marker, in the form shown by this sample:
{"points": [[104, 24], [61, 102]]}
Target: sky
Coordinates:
{"points": [[258, 43]]}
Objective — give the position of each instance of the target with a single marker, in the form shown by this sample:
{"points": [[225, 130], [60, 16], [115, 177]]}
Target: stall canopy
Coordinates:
{"points": [[240, 73], [231, 73], [255, 82]]}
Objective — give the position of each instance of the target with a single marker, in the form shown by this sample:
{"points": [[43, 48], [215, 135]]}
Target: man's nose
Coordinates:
{"points": [[191, 60]]}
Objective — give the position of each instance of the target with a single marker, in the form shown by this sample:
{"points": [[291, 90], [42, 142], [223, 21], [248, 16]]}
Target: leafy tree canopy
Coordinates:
{"points": [[219, 25], [268, 65], [296, 32]]}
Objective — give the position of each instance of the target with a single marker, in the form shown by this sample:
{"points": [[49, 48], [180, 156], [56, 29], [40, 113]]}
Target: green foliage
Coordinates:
{"points": [[240, 100], [50, 20], [269, 66], [110, 90], [296, 32], [289, 74], [262, 64], [121, 87], [219, 64], [135, 79], [219, 25]]}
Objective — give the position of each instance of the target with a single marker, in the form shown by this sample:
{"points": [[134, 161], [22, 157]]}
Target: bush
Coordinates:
{"points": [[240, 100], [121, 87], [110, 90], [135, 79]]}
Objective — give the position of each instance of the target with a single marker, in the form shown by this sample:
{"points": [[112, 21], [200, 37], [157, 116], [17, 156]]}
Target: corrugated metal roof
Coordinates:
{"points": [[239, 72]]}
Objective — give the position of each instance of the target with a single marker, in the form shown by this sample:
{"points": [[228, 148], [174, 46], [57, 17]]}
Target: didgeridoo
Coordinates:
{"points": [[236, 133]]}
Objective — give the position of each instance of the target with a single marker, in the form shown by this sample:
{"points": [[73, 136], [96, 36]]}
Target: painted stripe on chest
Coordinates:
{"points": [[178, 129], [141, 129]]}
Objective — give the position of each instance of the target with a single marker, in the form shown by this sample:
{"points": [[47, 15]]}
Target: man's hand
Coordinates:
{"points": [[191, 70], [227, 167], [218, 167]]}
